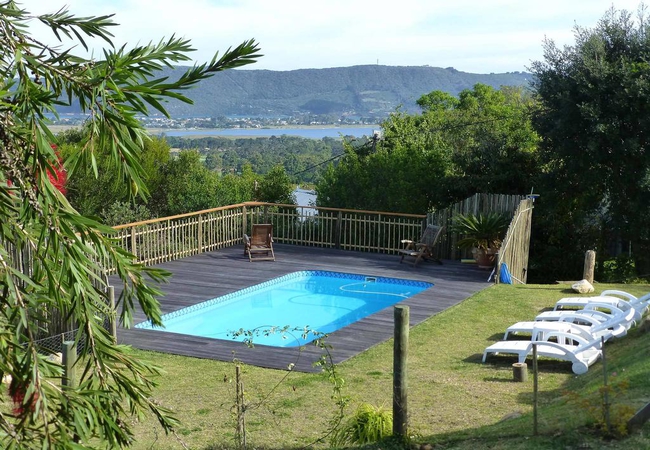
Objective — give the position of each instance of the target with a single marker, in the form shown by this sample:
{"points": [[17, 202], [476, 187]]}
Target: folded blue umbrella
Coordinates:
{"points": [[504, 275]]}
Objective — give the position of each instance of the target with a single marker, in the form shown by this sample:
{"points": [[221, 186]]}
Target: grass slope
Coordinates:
{"points": [[454, 400]]}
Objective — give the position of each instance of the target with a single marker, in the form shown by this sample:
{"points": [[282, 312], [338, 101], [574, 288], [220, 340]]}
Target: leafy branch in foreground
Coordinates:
{"points": [[54, 260], [325, 362]]}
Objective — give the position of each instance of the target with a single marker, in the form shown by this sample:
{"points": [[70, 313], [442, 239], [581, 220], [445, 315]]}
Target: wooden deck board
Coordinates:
{"points": [[210, 275]]}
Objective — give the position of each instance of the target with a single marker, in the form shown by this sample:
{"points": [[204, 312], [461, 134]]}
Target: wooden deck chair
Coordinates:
{"points": [[259, 245], [422, 249]]}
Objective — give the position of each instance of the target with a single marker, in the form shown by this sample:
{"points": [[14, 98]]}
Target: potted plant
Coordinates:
{"points": [[482, 233]]}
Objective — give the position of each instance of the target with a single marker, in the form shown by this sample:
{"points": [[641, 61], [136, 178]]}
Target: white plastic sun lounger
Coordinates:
{"points": [[575, 349], [614, 294], [601, 325], [637, 302], [592, 308], [614, 326], [620, 299], [541, 328]]}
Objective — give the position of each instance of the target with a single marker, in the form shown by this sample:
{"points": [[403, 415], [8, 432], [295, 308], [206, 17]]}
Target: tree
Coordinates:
{"points": [[481, 142], [276, 187], [594, 118], [437, 101], [494, 146], [186, 185], [53, 258], [94, 195], [233, 188]]}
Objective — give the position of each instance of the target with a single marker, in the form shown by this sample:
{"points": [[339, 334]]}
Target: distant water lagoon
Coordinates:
{"points": [[304, 197], [307, 132]]}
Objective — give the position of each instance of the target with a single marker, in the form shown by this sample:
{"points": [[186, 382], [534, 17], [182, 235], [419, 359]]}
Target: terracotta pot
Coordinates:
{"points": [[485, 259]]}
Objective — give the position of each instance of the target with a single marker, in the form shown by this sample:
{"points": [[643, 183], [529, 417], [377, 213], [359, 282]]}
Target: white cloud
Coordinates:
{"points": [[470, 35]]}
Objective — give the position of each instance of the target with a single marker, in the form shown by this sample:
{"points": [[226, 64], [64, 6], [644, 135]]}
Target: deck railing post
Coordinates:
{"points": [[200, 233], [169, 251], [112, 318], [244, 221], [379, 234], [337, 231], [133, 241]]}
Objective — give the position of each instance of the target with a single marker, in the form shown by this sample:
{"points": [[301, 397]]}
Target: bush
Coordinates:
{"points": [[368, 424], [120, 213], [618, 270]]}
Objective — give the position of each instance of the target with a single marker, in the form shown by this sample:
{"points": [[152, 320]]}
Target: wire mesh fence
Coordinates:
{"points": [[53, 345]]}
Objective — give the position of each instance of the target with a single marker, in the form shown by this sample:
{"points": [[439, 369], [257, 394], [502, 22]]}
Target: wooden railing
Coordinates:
{"points": [[158, 240]]}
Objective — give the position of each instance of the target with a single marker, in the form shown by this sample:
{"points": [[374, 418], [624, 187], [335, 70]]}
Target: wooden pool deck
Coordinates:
{"points": [[210, 275]]}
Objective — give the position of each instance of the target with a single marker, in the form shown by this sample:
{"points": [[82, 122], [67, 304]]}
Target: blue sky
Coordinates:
{"points": [[479, 36]]}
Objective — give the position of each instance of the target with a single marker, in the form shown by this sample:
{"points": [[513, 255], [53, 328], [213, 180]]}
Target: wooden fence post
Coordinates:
{"points": [[590, 263], [69, 358], [400, 385], [606, 404], [240, 408], [535, 390], [112, 319]]}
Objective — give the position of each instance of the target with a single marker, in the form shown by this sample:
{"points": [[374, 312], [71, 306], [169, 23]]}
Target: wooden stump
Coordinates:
{"points": [[590, 264], [520, 372]]}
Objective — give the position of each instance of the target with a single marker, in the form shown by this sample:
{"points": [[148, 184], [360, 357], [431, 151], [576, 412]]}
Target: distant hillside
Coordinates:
{"points": [[370, 90]]}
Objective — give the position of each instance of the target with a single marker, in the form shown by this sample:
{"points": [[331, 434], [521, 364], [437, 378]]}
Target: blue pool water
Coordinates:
{"points": [[316, 300]]}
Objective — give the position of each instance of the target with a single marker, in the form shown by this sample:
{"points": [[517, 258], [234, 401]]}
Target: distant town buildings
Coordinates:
{"points": [[160, 122]]}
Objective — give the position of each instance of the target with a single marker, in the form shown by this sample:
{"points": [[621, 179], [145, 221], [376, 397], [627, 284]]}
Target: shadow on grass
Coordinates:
{"points": [[544, 366], [503, 379], [495, 337], [572, 292], [390, 443], [475, 358]]}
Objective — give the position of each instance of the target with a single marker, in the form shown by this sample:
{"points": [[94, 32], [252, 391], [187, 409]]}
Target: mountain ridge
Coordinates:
{"points": [[364, 90]]}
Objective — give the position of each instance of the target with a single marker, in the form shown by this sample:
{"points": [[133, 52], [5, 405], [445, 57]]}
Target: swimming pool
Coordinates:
{"points": [[317, 300]]}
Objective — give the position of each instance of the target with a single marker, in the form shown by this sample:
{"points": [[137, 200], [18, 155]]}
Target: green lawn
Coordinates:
{"points": [[454, 400]]}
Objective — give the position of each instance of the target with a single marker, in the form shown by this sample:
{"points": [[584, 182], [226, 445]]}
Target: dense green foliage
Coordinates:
{"points": [[92, 194], [480, 142], [276, 187], [367, 91], [52, 258], [300, 157], [176, 184], [594, 116]]}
